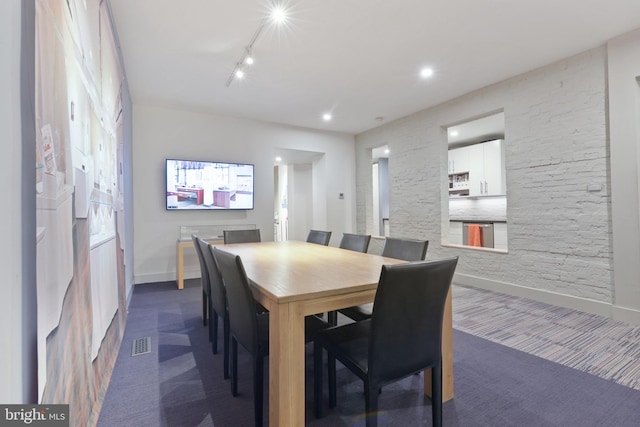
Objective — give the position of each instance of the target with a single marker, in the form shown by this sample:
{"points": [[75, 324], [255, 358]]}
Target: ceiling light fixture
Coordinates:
{"points": [[277, 15], [326, 117], [248, 59], [426, 72]]}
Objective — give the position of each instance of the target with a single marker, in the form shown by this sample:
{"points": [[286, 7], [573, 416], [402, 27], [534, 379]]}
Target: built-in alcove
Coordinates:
{"points": [[380, 184], [477, 185]]}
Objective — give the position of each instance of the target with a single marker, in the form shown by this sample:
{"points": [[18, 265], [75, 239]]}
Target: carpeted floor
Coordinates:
{"points": [[179, 383], [594, 344]]}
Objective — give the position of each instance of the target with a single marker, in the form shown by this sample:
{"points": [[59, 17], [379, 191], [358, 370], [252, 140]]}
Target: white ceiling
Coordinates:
{"points": [[358, 59]]}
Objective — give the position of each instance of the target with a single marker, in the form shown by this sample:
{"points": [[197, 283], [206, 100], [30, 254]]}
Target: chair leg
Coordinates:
{"points": [[436, 394], [332, 318], [213, 329], [258, 379], [226, 336], [331, 364], [371, 404], [233, 366], [317, 379]]}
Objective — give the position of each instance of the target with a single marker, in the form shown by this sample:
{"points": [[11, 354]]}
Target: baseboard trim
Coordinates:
{"points": [[548, 297], [164, 277], [627, 315]]}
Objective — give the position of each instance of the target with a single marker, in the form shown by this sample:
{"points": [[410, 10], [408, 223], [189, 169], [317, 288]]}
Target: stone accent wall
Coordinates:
{"points": [[556, 146]]}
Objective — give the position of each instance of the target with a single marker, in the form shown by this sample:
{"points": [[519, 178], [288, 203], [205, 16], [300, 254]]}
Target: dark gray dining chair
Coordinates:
{"points": [[248, 326], [404, 249], [352, 242], [204, 280], [241, 236], [355, 242], [403, 336], [217, 304], [319, 237]]}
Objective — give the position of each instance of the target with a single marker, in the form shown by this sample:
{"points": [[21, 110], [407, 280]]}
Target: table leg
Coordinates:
{"points": [[180, 266], [286, 366], [447, 355]]}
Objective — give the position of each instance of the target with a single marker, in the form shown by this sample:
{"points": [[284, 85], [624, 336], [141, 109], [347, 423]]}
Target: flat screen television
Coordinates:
{"points": [[207, 185]]}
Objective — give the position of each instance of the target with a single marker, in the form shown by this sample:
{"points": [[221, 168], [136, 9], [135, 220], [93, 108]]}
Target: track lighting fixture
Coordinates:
{"points": [[277, 15]]}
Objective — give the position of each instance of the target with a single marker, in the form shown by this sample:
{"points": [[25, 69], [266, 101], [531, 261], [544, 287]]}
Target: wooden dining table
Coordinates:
{"points": [[295, 279]]}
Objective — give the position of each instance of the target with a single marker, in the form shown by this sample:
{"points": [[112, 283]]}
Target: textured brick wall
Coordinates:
{"points": [[559, 234]]}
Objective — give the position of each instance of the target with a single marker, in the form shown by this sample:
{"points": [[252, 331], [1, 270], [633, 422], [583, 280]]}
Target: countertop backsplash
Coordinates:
{"points": [[478, 209]]}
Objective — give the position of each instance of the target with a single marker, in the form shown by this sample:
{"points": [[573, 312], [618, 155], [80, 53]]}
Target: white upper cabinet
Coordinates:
{"points": [[493, 172], [459, 160], [484, 163]]}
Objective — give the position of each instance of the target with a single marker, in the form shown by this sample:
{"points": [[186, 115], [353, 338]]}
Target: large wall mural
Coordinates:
{"points": [[80, 269]]}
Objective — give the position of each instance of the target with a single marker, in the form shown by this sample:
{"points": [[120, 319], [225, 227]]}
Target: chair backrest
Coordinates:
{"points": [[406, 323], [242, 307], [204, 274], [319, 237], [355, 242], [242, 236], [405, 249], [217, 292]]}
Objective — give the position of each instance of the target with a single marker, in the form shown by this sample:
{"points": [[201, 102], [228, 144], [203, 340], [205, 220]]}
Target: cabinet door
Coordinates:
{"points": [[493, 168], [476, 169], [459, 160]]}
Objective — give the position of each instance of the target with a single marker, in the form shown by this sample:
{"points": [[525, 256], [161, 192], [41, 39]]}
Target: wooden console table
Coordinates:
{"points": [[180, 247]]}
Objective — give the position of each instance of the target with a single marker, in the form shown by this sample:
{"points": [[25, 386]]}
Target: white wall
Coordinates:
{"points": [[17, 255], [559, 233], [159, 133], [624, 134], [10, 256], [300, 200]]}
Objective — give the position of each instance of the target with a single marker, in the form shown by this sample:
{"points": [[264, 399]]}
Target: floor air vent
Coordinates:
{"points": [[141, 346]]}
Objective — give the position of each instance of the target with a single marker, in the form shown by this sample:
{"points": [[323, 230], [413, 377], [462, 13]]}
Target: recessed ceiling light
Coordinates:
{"points": [[326, 117], [454, 133], [239, 74], [278, 14], [426, 72], [278, 159], [386, 151], [249, 60]]}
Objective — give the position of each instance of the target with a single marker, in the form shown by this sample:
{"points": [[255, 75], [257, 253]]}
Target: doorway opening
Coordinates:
{"points": [[296, 173], [380, 181]]}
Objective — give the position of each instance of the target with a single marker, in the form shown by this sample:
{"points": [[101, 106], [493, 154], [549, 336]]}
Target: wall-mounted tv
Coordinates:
{"points": [[197, 184]]}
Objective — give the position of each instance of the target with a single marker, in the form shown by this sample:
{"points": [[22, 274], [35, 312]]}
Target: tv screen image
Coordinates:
{"points": [[196, 184]]}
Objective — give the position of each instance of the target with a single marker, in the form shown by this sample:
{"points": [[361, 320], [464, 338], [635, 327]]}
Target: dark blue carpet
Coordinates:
{"points": [[180, 382]]}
